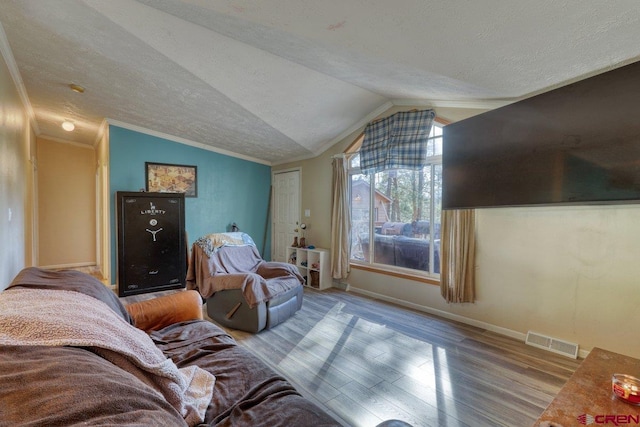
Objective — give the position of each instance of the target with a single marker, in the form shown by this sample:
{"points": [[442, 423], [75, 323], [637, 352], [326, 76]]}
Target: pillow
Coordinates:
{"points": [[156, 313], [70, 280]]}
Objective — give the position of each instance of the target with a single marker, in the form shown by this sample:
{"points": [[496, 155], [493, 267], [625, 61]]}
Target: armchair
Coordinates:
{"points": [[243, 291]]}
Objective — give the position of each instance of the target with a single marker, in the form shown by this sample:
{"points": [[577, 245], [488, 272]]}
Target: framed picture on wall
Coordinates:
{"points": [[169, 178]]}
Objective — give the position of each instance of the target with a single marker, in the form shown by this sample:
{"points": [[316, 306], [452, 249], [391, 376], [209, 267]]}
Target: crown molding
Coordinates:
{"points": [[46, 137], [184, 141], [475, 104], [9, 59]]}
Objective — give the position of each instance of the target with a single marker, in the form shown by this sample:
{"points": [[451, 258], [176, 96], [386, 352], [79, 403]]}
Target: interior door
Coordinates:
{"points": [[286, 212]]}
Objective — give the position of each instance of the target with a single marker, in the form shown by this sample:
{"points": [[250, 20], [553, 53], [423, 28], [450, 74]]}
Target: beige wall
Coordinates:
{"points": [[16, 183], [567, 272], [66, 204]]}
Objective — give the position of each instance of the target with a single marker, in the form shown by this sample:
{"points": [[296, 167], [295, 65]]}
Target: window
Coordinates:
{"points": [[399, 211]]}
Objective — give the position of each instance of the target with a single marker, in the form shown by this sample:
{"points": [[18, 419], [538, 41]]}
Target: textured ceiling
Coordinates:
{"points": [[281, 80]]}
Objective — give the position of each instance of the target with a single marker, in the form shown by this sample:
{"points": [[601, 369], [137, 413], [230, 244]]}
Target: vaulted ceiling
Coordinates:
{"points": [[281, 80]]}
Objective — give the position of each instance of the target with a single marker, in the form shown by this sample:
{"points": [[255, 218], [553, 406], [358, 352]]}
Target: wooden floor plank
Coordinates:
{"points": [[342, 355], [323, 388], [326, 362], [352, 413], [428, 406], [381, 407]]}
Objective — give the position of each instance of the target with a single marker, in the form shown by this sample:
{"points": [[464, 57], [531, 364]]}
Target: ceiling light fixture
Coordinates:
{"points": [[76, 88], [68, 126]]}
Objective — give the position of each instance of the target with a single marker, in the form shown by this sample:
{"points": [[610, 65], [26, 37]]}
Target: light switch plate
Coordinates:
{"points": [[307, 213]]}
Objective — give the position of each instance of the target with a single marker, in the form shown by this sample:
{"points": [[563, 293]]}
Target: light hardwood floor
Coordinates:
{"points": [[365, 361]]}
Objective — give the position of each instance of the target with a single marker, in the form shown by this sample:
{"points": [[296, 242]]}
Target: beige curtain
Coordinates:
{"points": [[457, 253], [340, 220]]}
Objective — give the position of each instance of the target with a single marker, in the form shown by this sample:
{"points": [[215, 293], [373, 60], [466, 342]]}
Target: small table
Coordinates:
{"points": [[587, 397]]}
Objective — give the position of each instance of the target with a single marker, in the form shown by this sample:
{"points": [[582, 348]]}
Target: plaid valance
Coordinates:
{"points": [[396, 142]]}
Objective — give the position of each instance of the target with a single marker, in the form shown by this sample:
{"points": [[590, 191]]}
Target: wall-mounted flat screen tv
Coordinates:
{"points": [[578, 144]]}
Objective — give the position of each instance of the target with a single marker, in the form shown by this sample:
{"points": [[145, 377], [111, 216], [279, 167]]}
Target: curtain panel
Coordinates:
{"points": [[340, 220], [458, 264], [399, 141]]}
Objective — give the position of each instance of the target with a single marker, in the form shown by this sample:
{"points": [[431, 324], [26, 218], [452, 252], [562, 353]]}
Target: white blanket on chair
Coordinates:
{"points": [[65, 318]]}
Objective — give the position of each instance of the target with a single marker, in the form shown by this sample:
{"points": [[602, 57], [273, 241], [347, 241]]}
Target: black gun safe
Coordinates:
{"points": [[152, 253]]}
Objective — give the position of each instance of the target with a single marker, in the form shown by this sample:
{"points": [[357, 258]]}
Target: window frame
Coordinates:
{"points": [[386, 269]]}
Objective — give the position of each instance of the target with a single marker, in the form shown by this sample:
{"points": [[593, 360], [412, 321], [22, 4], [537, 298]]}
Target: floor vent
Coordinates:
{"points": [[552, 344]]}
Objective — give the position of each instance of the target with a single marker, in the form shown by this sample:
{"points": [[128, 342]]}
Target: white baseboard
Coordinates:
{"points": [[455, 317], [340, 285], [440, 313]]}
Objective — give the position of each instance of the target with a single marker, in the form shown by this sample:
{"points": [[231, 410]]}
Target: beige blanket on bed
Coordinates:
{"points": [[40, 317]]}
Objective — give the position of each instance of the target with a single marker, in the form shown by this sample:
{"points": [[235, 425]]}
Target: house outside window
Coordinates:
{"points": [[398, 210]]}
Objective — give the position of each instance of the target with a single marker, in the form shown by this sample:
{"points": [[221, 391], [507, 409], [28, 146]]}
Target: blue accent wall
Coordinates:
{"points": [[229, 189]]}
